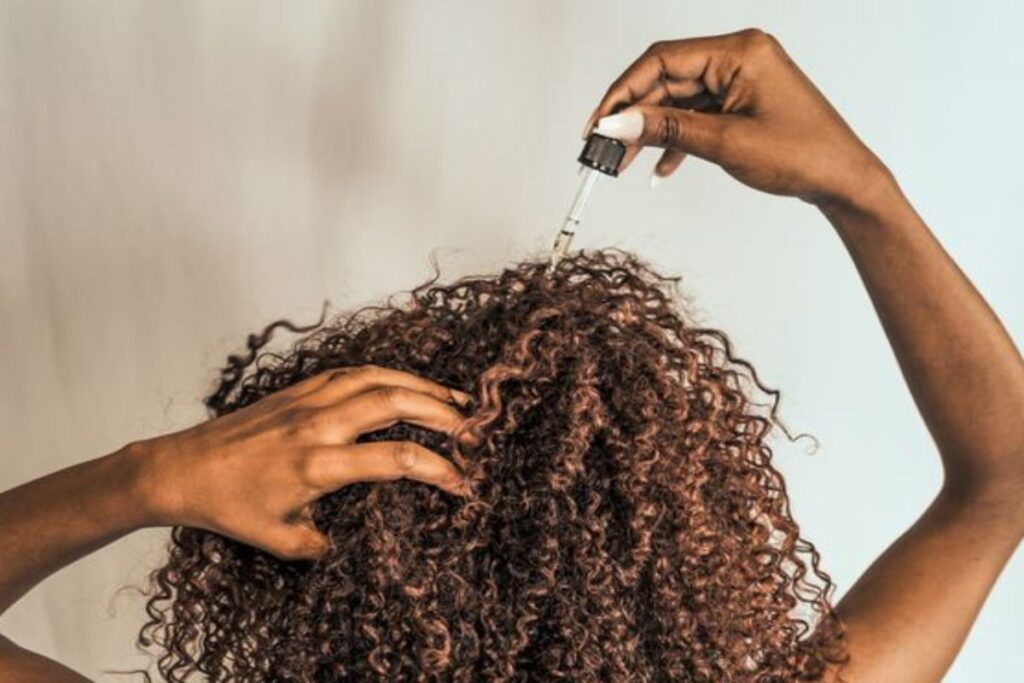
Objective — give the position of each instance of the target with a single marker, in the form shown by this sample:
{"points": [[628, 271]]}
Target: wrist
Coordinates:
{"points": [[873, 194], [144, 489]]}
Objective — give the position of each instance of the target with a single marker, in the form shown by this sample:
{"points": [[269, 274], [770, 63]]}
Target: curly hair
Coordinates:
{"points": [[627, 522]]}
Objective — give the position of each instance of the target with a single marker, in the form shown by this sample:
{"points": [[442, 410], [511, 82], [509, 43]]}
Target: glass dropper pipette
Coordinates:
{"points": [[599, 155]]}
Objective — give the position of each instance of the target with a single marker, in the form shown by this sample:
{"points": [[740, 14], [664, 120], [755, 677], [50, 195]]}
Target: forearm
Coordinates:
{"points": [[962, 368], [51, 522]]}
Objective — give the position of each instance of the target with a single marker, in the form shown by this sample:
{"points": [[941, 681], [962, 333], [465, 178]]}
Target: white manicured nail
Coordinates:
{"points": [[626, 126], [655, 180]]}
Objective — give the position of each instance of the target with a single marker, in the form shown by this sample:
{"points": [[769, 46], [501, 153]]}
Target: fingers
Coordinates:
{"points": [[328, 468], [383, 407], [667, 164], [331, 468], [629, 156], [334, 386], [689, 93], [293, 541], [693, 132], [678, 64], [675, 93]]}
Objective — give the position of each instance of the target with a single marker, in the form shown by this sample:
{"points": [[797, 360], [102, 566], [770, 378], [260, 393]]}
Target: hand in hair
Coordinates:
{"points": [[253, 474]]}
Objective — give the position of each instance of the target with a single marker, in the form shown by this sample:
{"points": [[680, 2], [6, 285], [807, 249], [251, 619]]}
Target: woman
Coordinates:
{"points": [[275, 469]]}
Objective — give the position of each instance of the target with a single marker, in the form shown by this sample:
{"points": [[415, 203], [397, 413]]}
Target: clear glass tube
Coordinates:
{"points": [[572, 220]]}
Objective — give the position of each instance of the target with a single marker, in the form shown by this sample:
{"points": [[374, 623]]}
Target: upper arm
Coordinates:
{"points": [[19, 664], [909, 614]]}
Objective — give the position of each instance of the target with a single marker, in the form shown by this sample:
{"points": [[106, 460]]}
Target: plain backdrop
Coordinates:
{"points": [[174, 175]]}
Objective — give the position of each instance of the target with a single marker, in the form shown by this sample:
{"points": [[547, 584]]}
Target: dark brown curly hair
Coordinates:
{"points": [[627, 522]]}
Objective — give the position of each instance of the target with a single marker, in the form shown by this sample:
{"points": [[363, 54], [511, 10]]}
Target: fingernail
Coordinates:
{"points": [[627, 125], [468, 438], [589, 127], [461, 397], [655, 180]]}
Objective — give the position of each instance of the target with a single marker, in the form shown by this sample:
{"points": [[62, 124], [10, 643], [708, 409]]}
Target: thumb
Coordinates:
{"points": [[295, 541], [685, 130]]}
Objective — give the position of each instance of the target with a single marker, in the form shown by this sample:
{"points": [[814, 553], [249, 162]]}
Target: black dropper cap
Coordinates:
{"points": [[603, 154]]}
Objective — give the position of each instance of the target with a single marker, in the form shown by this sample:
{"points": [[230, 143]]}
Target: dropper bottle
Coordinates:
{"points": [[600, 155]]}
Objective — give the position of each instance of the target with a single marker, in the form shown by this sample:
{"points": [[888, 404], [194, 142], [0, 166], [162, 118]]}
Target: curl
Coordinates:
{"points": [[627, 523]]}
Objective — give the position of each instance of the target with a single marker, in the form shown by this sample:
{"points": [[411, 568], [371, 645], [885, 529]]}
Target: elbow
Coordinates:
{"points": [[999, 495]]}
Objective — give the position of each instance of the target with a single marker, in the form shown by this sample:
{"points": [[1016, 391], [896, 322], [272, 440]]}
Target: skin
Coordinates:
{"points": [[736, 100], [250, 475]]}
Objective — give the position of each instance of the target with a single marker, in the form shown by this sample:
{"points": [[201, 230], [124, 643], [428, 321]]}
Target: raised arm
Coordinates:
{"points": [[739, 101], [916, 604]]}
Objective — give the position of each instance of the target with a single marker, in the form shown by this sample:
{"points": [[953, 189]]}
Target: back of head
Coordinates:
{"points": [[626, 523]]}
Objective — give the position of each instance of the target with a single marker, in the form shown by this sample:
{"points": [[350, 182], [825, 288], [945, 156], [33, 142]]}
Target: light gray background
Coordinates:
{"points": [[175, 175]]}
